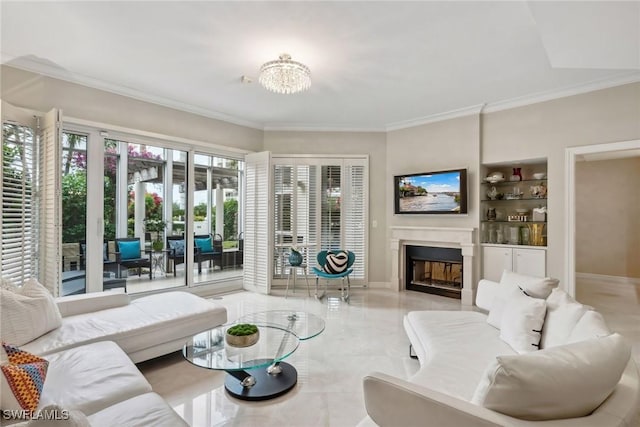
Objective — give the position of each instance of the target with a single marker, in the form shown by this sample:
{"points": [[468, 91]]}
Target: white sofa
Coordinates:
{"points": [[91, 355], [144, 328], [454, 349]]}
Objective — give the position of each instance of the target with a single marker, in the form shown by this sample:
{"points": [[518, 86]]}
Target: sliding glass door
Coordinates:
{"points": [[218, 237]]}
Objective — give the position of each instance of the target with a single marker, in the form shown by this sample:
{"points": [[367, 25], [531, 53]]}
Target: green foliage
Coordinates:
{"points": [[230, 219], [74, 203], [242, 329]]}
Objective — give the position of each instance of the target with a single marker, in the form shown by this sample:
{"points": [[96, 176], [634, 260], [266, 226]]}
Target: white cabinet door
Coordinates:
{"points": [[531, 262], [495, 260]]}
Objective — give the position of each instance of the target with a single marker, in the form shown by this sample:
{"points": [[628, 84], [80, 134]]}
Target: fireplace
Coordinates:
{"points": [[434, 270], [439, 238]]}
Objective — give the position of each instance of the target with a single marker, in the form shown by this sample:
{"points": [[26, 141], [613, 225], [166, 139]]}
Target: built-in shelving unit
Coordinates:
{"points": [[513, 218]]}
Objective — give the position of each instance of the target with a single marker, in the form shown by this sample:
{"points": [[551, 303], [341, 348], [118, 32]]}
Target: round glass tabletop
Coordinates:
{"points": [[303, 325], [210, 350]]}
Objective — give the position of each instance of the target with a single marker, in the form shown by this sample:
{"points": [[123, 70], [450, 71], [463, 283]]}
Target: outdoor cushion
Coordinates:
{"points": [[205, 245], [177, 246], [129, 250]]}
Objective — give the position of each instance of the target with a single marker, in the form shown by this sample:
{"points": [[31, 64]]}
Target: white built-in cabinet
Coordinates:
{"points": [[513, 218], [528, 261]]}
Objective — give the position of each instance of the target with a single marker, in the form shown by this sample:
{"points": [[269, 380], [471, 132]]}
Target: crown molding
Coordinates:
{"points": [[447, 115], [625, 78], [301, 127], [59, 73]]}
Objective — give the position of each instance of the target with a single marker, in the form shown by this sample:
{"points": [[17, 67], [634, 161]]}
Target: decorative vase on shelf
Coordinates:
{"points": [[517, 175], [491, 214], [295, 258], [535, 234]]}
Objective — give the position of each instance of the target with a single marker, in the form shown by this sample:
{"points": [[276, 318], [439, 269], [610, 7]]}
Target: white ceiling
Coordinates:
{"points": [[375, 65]]}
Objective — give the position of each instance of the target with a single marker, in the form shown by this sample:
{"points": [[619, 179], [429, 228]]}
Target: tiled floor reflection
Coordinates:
{"points": [[360, 337], [363, 336]]}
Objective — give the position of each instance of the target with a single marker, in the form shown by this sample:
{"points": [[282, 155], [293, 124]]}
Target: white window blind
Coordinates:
{"points": [[258, 244], [18, 240], [330, 209], [327, 209], [355, 216], [283, 219], [50, 202], [306, 211]]}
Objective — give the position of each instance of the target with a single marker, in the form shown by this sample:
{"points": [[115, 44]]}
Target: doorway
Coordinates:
{"points": [[575, 155]]}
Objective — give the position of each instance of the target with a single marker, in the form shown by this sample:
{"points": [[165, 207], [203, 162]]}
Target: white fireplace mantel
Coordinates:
{"points": [[444, 237]]}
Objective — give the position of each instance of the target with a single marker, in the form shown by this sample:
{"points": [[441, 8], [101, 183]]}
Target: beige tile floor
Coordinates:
{"points": [[361, 337]]}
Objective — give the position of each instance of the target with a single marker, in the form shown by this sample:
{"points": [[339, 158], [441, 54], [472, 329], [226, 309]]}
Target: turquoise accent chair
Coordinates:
{"points": [[320, 273]]}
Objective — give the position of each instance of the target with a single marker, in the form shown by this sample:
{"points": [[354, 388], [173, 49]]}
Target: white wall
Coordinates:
{"points": [[449, 144], [608, 217], [371, 143], [546, 129]]}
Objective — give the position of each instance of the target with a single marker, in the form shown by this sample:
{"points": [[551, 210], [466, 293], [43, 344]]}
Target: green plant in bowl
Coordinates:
{"points": [[242, 335]]}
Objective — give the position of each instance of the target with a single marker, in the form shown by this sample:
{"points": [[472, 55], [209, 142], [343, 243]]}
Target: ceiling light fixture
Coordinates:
{"points": [[285, 76]]}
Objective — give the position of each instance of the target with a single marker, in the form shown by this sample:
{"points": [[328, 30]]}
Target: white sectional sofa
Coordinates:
{"points": [[91, 355], [460, 357], [144, 328]]}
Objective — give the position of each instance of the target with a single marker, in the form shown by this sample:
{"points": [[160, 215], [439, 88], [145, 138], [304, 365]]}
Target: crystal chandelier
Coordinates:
{"points": [[285, 76]]}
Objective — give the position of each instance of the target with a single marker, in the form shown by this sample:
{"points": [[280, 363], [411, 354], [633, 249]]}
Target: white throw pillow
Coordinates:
{"points": [[563, 313], [499, 303], [522, 320], [27, 312], [591, 325], [537, 287], [562, 382]]}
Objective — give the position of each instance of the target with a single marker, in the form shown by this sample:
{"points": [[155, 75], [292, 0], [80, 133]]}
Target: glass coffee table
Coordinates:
{"points": [[256, 372]]}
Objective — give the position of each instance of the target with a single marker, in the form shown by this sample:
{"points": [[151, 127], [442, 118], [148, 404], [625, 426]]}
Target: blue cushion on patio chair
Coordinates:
{"points": [[129, 250], [205, 245]]}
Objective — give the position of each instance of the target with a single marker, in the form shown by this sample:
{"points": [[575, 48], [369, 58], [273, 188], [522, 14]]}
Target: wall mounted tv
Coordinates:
{"points": [[442, 192]]}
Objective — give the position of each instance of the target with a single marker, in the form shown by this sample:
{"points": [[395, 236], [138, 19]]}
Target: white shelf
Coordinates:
{"points": [[506, 245]]}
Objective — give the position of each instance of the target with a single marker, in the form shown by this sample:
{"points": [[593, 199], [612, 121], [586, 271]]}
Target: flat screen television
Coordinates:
{"points": [[441, 192]]}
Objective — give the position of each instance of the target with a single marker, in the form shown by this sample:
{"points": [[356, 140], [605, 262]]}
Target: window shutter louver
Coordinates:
{"points": [[50, 202], [355, 217], [258, 226], [18, 240]]}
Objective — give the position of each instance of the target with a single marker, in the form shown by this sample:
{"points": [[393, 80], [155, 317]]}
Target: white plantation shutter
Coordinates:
{"points": [[283, 180], [50, 202], [328, 208], [258, 225], [354, 207], [18, 237], [306, 211]]}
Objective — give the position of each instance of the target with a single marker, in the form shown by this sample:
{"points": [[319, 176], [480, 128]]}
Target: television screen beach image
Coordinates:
{"points": [[437, 192]]}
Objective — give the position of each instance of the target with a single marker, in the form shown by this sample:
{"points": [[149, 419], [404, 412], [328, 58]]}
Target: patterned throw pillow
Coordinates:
{"points": [[336, 263], [22, 379], [178, 246]]}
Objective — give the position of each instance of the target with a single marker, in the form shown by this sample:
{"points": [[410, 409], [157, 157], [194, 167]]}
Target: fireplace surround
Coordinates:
{"points": [[437, 237]]}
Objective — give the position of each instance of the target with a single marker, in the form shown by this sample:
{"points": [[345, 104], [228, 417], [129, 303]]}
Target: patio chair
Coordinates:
{"points": [[129, 254], [208, 248], [333, 265], [175, 251], [108, 264]]}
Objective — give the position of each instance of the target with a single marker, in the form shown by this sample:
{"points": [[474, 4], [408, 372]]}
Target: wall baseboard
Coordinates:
{"points": [[380, 285], [613, 280]]}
